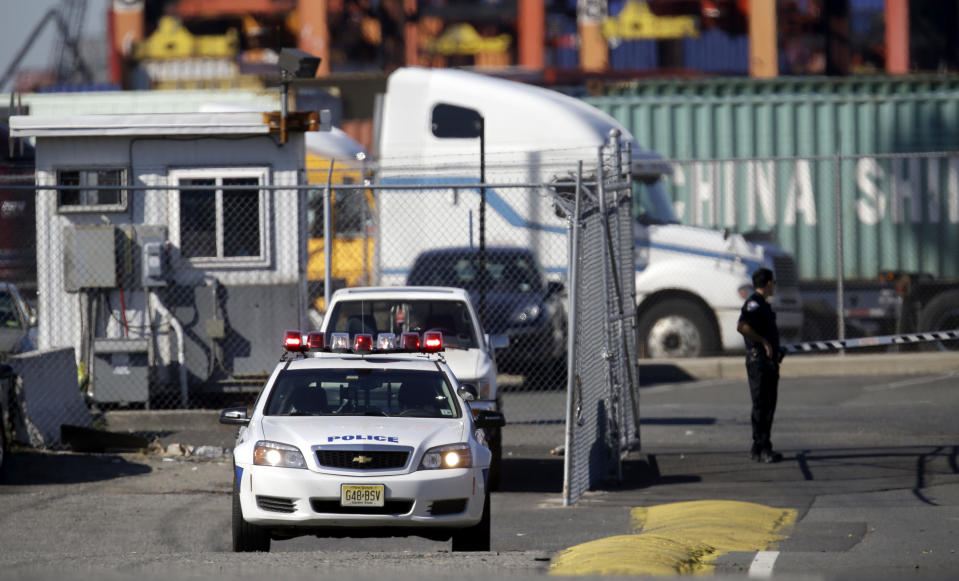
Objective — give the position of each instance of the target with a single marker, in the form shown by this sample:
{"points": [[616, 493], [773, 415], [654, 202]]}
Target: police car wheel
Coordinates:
{"points": [[247, 538], [476, 537]]}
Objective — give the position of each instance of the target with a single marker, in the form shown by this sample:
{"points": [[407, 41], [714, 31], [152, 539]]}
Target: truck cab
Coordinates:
{"points": [[690, 282]]}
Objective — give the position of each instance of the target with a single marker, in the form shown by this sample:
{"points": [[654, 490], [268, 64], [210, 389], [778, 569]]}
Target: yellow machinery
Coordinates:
{"points": [[354, 230]]}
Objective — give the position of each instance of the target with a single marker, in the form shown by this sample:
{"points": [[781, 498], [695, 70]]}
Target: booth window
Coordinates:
{"points": [[221, 216], [108, 193]]}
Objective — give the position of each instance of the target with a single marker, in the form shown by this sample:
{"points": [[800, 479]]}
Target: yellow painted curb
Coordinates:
{"points": [[678, 539]]}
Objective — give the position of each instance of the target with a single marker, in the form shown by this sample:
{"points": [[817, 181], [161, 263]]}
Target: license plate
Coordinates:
{"points": [[361, 494]]}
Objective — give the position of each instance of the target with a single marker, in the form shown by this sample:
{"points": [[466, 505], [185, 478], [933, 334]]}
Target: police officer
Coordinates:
{"points": [[757, 324]]}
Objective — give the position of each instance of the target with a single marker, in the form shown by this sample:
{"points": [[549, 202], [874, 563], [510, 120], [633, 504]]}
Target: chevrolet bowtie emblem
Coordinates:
{"points": [[362, 459]]}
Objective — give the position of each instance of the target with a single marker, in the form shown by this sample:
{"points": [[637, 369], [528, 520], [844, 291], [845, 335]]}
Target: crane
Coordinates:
{"points": [[68, 18]]}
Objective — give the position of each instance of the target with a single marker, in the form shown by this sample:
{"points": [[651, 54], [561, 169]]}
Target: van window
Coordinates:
{"points": [[399, 316]]}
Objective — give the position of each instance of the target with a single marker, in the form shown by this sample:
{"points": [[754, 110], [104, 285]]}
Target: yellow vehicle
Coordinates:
{"points": [[353, 214]]}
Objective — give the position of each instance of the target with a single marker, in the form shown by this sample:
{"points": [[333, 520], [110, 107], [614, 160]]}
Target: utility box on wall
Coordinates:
{"points": [[121, 371], [89, 257]]}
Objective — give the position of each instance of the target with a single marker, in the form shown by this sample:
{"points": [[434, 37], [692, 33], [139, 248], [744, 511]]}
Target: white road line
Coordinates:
{"points": [[762, 565], [909, 382]]}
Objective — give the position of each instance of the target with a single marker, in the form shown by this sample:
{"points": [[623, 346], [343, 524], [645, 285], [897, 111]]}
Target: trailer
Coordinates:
{"points": [[856, 177]]}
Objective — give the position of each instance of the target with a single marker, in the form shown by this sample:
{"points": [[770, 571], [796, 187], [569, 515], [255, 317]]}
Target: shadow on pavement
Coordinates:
{"points": [[532, 475], [29, 467]]}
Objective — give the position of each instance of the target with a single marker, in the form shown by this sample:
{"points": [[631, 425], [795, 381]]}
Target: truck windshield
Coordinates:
{"points": [[401, 315], [651, 203]]}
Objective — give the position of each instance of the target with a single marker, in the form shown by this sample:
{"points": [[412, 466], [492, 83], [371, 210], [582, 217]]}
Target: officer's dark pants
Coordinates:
{"points": [[763, 387]]}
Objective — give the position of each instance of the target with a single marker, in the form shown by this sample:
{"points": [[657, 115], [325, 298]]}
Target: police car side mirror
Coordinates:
{"points": [[468, 392], [490, 419], [234, 416]]}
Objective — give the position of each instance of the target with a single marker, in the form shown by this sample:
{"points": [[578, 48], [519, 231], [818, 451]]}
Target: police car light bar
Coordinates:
{"points": [[293, 341], [432, 342], [315, 340], [410, 341], [362, 342]]}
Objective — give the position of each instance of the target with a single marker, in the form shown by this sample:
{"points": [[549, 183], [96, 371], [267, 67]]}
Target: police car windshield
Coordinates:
{"points": [[358, 392]]}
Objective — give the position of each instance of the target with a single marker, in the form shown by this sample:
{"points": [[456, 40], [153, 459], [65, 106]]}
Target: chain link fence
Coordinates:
{"points": [[173, 287], [602, 421]]}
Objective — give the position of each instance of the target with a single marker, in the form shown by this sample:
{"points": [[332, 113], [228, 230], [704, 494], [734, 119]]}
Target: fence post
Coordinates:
{"points": [[572, 283], [328, 237], [840, 268]]}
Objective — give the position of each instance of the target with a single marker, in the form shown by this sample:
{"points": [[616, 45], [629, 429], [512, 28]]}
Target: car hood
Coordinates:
{"points": [[469, 365], [358, 432], [708, 243], [502, 308], [13, 340]]}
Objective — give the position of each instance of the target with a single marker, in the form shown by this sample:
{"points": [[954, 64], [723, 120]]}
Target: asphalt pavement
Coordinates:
{"points": [[869, 479]]}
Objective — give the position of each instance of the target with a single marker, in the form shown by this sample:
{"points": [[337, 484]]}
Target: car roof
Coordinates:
{"points": [[403, 361], [408, 292]]}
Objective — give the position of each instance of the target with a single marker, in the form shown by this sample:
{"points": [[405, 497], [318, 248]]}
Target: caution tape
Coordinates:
{"points": [[905, 339]]}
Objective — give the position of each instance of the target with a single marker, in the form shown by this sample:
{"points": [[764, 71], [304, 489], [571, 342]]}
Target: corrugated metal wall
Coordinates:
{"points": [[899, 212], [716, 118]]}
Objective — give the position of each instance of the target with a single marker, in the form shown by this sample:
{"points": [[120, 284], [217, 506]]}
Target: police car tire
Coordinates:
{"points": [[247, 538], [476, 537]]}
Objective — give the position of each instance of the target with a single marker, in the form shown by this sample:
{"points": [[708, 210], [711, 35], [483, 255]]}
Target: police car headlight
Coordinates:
{"points": [[268, 453], [450, 456]]}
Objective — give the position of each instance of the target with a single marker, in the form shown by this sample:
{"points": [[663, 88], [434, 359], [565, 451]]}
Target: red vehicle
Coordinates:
{"points": [[18, 241]]}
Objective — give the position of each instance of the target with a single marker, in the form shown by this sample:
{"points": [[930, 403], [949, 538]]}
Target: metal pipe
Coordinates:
{"points": [[840, 288], [328, 238], [572, 281], [180, 347]]}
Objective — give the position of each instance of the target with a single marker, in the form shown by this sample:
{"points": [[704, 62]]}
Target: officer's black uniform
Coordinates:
{"points": [[762, 371]]}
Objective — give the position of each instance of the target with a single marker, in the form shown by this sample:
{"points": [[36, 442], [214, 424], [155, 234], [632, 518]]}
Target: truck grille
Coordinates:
{"points": [[785, 268], [363, 459]]}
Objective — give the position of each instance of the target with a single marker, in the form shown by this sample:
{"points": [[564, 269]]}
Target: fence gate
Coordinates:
{"points": [[602, 421]]}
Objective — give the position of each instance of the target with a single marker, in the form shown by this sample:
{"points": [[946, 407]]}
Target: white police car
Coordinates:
{"points": [[356, 439]]}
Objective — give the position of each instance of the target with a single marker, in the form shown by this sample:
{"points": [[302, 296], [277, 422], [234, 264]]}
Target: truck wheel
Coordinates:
{"points": [[476, 537], [676, 328], [941, 314], [247, 538]]}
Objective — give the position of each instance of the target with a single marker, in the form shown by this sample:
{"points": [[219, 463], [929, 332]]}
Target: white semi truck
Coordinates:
{"points": [[690, 282]]}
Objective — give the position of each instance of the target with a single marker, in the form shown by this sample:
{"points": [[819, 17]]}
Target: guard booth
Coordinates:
{"points": [[171, 248]]}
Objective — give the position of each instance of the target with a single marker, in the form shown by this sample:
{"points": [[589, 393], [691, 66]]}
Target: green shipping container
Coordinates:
{"points": [[764, 155]]}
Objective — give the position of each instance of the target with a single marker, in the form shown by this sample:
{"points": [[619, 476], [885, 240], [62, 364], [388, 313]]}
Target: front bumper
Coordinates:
{"points": [[291, 497]]}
